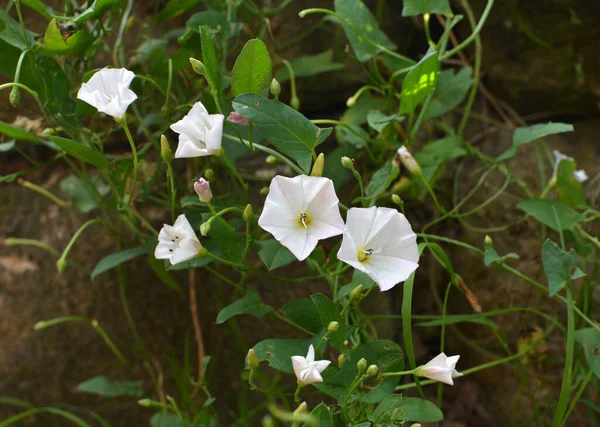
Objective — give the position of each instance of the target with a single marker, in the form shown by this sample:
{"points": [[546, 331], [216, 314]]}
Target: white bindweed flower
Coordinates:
{"points": [[300, 211], [178, 242], [108, 91], [380, 243], [441, 368], [200, 133], [579, 175], [308, 370]]}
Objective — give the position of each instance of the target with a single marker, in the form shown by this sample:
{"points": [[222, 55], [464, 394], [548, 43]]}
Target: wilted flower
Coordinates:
{"points": [[579, 175], [380, 243], [202, 189], [441, 368], [308, 370], [237, 119], [409, 161], [300, 211], [200, 133], [177, 243], [108, 91]]}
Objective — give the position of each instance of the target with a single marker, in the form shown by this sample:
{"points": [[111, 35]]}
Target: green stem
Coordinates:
{"points": [[289, 322], [580, 391], [433, 196], [477, 73], [18, 7], [293, 96], [397, 374], [32, 93], [218, 215], [172, 189], [426, 17], [169, 82], [118, 46], [473, 35], [12, 241], [407, 328], [62, 261], [234, 171], [44, 192], [136, 164]]}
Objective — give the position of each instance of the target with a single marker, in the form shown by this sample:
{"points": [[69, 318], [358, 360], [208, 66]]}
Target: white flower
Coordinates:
{"points": [[380, 243], [108, 91], [308, 370], [579, 175], [441, 368], [300, 211], [200, 133], [177, 243]]}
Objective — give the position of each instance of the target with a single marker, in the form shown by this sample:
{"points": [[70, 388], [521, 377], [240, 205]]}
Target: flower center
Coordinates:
{"points": [[364, 254], [304, 220]]}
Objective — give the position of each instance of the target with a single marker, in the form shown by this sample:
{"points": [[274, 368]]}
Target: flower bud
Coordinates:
{"points": [[356, 293], [333, 326], [347, 162], [15, 96], [248, 213], [209, 174], [268, 421], [48, 132], [361, 365], [409, 161], [205, 229], [237, 119], [275, 88], [202, 189], [252, 359], [271, 159], [61, 264], [165, 150], [488, 240], [264, 191], [146, 403], [317, 169], [402, 184], [351, 101], [341, 359], [197, 66], [302, 408], [372, 370], [295, 103], [397, 200]]}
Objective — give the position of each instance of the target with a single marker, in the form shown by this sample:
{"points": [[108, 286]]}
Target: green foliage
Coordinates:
{"points": [[529, 134], [16, 133], [114, 260], [60, 39], [397, 408], [249, 304], [253, 71], [491, 256], [274, 255], [451, 89], [551, 213], [81, 152], [589, 339], [421, 7], [558, 265], [310, 65], [420, 82], [102, 386]]}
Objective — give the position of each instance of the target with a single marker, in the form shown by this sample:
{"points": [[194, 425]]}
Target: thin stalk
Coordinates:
{"points": [[136, 163], [43, 192], [407, 327], [473, 35], [577, 396], [477, 72], [62, 261], [12, 241]]}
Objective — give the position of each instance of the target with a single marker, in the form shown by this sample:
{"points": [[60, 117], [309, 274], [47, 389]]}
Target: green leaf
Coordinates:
{"points": [[397, 408], [95, 10], [64, 39], [387, 386], [589, 338], [438, 153], [274, 255], [491, 256], [209, 57], [210, 18], [450, 91], [382, 179], [39, 7], [278, 352], [378, 121], [167, 419], [16, 133], [102, 386], [176, 8], [362, 29], [7, 146], [420, 82], [287, 129], [557, 266], [421, 7], [253, 70], [303, 312], [329, 312], [249, 304], [526, 135], [323, 415], [158, 267], [358, 278], [452, 319], [570, 191], [81, 195], [12, 33], [81, 152], [310, 65], [394, 63], [113, 260], [353, 135], [551, 213]]}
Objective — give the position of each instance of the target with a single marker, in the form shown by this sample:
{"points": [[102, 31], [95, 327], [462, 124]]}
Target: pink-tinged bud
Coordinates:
{"points": [[237, 119], [202, 189]]}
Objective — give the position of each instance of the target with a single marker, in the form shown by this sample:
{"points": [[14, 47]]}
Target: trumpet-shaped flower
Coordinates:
{"points": [[200, 133], [380, 243], [307, 369], [108, 91], [579, 175], [441, 368], [202, 189], [300, 211], [178, 242]]}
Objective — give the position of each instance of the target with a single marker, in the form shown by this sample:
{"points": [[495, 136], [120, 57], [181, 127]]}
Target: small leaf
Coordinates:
{"points": [[526, 135], [287, 129], [589, 338], [362, 29], [95, 10], [7, 146], [65, 39], [278, 352], [438, 153], [570, 191], [396, 408], [102, 386], [450, 91], [175, 8], [329, 312], [209, 57], [113, 260], [16, 133], [12, 33], [421, 7], [167, 419], [492, 256], [303, 312], [39, 7], [81, 152], [420, 82], [387, 386], [273, 254], [551, 213], [252, 71], [249, 304], [557, 266], [382, 179], [81, 195], [378, 121], [323, 415], [310, 65]]}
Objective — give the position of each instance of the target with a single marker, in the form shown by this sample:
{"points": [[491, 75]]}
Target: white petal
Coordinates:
{"points": [[182, 225], [113, 108], [310, 356], [451, 361], [580, 175], [163, 251], [444, 376], [439, 360], [215, 135], [456, 374], [348, 252], [311, 376], [90, 96], [299, 242], [187, 249], [387, 224], [288, 191], [320, 365], [187, 149], [387, 271], [298, 363]]}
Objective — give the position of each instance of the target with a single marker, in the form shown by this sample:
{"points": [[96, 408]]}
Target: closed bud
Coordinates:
{"points": [[275, 88], [402, 184], [271, 159], [264, 191], [409, 161], [165, 150], [341, 359], [351, 101], [237, 119], [333, 326], [48, 132], [252, 359], [146, 403], [209, 174], [372, 370], [202, 189], [205, 229], [15, 96], [248, 213], [356, 293], [268, 421], [295, 103], [488, 241], [396, 200], [301, 409], [361, 365], [347, 162], [197, 66], [317, 169], [61, 264]]}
